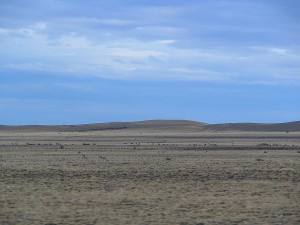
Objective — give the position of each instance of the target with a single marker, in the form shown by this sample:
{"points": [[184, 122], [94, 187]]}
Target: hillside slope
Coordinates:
{"points": [[160, 126]]}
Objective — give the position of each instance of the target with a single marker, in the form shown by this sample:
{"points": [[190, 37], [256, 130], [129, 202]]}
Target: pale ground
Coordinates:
{"points": [[114, 177]]}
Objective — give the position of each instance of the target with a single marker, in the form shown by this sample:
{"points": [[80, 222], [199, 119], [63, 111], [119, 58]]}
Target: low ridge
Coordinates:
{"points": [[160, 126]]}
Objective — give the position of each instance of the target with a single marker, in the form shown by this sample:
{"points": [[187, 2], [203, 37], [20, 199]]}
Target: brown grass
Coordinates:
{"points": [[114, 177]]}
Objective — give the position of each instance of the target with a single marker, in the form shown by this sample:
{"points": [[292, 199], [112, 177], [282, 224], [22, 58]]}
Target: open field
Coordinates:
{"points": [[138, 177]]}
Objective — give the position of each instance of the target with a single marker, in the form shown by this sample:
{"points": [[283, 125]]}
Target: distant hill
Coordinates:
{"points": [[262, 127], [161, 126]]}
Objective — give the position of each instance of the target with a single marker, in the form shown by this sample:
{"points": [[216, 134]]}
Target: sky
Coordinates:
{"points": [[92, 61]]}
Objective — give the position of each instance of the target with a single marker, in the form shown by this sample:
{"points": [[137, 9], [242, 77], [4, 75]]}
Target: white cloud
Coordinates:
{"points": [[272, 50], [160, 31], [27, 66], [40, 26], [30, 48], [137, 54], [279, 51], [165, 42], [4, 31], [97, 21]]}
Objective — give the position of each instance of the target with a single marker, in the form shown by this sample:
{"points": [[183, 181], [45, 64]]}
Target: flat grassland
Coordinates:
{"points": [[120, 177]]}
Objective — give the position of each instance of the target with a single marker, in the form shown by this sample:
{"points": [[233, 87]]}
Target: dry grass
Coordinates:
{"points": [[145, 180]]}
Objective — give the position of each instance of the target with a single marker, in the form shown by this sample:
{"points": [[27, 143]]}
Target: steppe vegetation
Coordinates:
{"points": [[134, 177]]}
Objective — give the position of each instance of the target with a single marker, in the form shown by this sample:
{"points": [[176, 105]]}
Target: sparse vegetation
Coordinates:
{"points": [[260, 160], [160, 179]]}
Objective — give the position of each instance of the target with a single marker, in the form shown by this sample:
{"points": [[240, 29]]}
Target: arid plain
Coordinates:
{"points": [[152, 172]]}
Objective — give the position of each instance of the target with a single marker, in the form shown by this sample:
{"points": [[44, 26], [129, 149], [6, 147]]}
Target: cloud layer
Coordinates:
{"points": [[208, 40]]}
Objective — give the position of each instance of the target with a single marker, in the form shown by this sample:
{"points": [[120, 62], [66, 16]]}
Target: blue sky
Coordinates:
{"points": [[71, 62]]}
